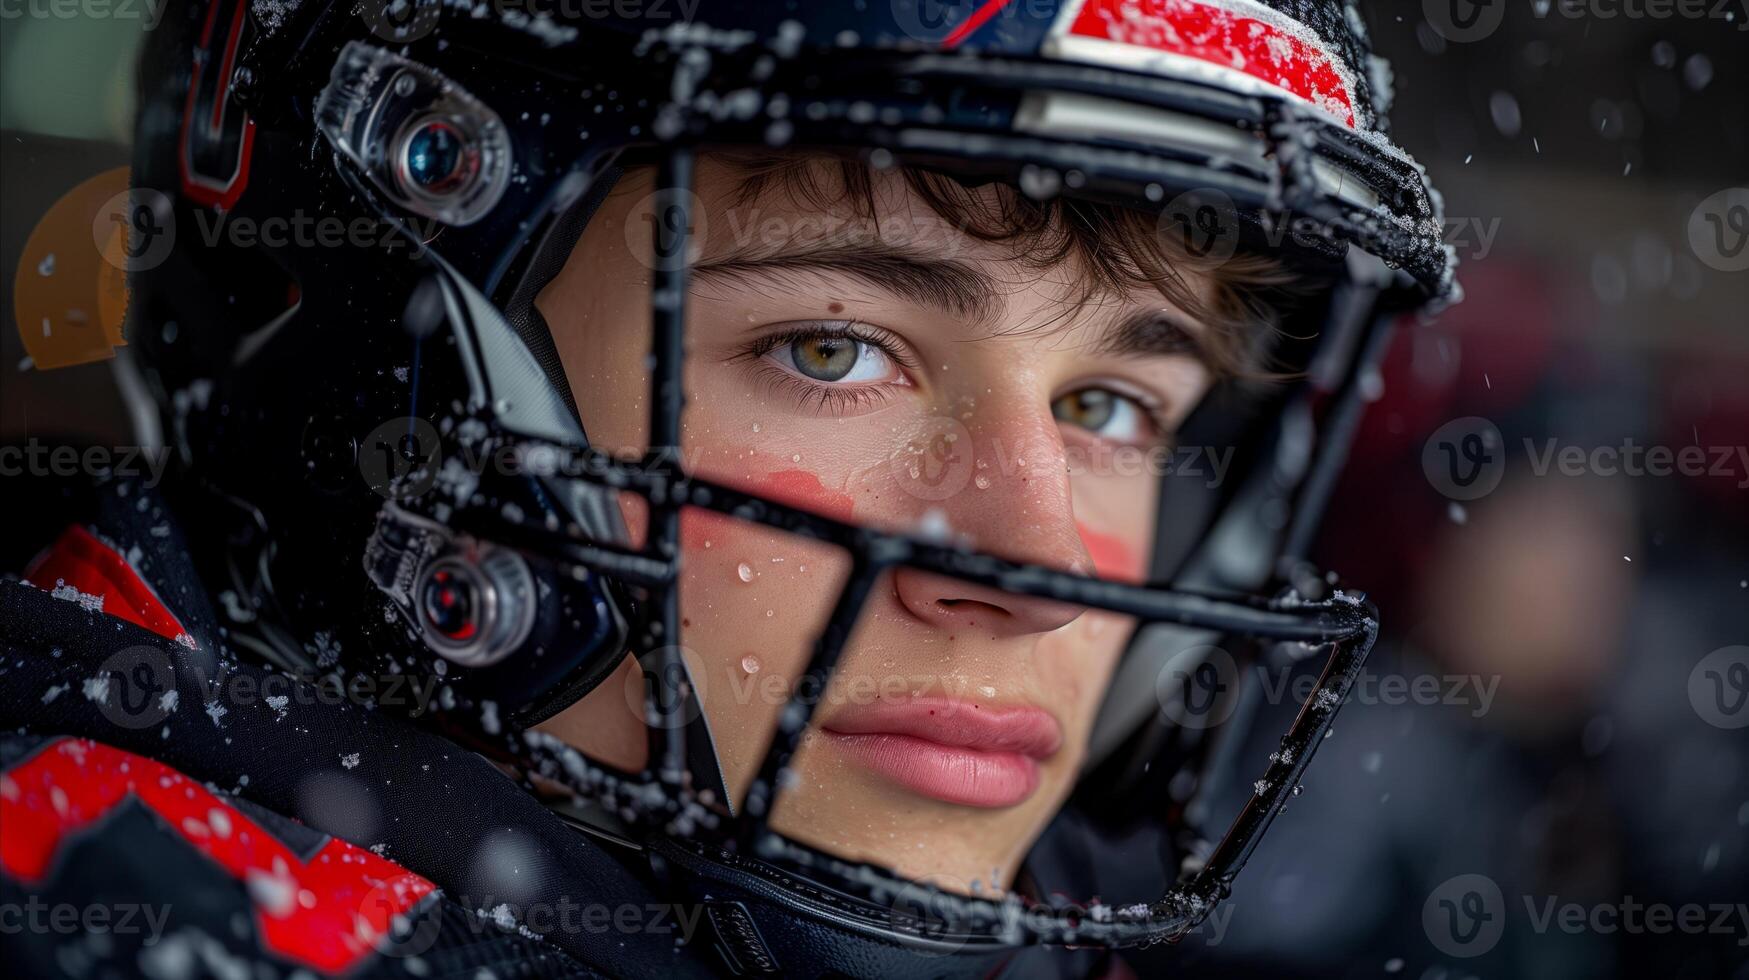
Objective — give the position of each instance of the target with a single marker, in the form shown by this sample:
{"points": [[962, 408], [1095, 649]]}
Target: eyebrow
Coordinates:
{"points": [[943, 284], [1151, 333], [948, 285]]}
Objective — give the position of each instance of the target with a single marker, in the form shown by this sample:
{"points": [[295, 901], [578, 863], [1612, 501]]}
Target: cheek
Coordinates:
{"points": [[752, 600], [1075, 665], [702, 530]]}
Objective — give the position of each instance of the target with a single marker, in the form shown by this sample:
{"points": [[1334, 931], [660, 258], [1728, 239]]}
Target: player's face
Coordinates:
{"points": [[899, 374]]}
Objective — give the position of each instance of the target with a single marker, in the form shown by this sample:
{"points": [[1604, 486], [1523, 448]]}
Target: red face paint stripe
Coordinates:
{"points": [[1113, 558], [1224, 37], [327, 913], [802, 488], [80, 560]]}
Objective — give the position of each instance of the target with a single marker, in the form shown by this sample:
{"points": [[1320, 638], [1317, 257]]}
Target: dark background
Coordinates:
{"points": [[1581, 146], [1592, 779]]}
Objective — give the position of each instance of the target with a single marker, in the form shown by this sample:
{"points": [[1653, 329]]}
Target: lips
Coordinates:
{"points": [[953, 751]]}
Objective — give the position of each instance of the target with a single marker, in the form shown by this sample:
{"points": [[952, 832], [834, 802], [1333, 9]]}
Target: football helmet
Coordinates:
{"points": [[323, 400]]}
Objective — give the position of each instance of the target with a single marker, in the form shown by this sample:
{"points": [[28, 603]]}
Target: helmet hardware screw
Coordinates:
{"points": [[243, 88]]}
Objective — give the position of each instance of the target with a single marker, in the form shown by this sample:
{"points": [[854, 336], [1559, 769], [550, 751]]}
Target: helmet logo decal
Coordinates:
{"points": [[1237, 43], [217, 135]]}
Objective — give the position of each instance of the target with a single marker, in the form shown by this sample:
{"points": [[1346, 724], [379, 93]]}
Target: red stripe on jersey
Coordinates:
{"points": [[327, 913], [1223, 37], [79, 559]]}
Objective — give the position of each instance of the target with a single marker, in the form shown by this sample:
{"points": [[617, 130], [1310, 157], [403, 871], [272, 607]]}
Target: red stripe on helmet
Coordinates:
{"points": [[985, 11], [1225, 37], [327, 913]]}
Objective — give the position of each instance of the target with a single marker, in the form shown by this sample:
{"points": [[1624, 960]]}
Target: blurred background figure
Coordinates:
{"points": [[1547, 774]]}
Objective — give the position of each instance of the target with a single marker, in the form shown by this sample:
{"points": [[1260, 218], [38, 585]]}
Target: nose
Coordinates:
{"points": [[951, 603], [1018, 507]]}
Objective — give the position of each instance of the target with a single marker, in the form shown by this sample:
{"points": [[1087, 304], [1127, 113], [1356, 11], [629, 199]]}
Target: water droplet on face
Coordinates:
{"points": [[756, 427], [982, 482], [750, 664], [770, 613], [987, 691], [744, 571], [795, 457]]}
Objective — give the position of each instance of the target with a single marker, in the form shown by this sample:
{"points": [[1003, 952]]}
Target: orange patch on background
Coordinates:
{"points": [[1113, 558], [69, 292]]}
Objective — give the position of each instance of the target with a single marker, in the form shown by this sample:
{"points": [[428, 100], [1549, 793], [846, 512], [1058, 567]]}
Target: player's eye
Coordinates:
{"points": [[835, 359], [1106, 414]]}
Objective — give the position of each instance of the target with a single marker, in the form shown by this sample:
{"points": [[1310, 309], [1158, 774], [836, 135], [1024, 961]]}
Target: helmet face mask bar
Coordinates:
{"points": [[680, 795], [1216, 163], [1344, 625]]}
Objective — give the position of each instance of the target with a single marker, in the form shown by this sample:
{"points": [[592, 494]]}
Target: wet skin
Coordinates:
{"points": [[945, 389]]}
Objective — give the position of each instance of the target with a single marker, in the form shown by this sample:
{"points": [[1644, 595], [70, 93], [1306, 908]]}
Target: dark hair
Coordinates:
{"points": [[1117, 248]]}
